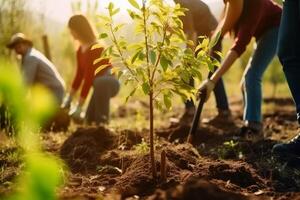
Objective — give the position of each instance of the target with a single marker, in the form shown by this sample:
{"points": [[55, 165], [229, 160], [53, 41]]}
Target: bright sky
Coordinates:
{"points": [[60, 10]]}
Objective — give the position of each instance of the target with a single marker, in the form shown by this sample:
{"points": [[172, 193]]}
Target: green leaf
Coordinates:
{"points": [[190, 42], [219, 53], [215, 40], [136, 55], [110, 8], [115, 11], [164, 63], [146, 88], [167, 101], [142, 56], [131, 94], [158, 105], [205, 42], [118, 27], [103, 35], [152, 57], [211, 67], [134, 4]]}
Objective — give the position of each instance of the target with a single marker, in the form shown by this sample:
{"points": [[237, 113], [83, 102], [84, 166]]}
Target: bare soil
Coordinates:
{"points": [[219, 165]]}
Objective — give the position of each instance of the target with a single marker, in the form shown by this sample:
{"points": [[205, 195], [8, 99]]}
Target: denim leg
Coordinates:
{"points": [[288, 48], [105, 87], [90, 114], [262, 56]]}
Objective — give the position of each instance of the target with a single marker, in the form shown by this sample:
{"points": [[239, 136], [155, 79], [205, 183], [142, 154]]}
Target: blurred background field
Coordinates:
{"points": [[49, 17]]}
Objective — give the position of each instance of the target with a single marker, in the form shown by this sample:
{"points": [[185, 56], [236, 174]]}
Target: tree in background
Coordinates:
{"points": [[12, 18], [91, 8]]}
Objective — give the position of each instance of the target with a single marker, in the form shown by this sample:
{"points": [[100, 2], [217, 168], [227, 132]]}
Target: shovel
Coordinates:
{"points": [[193, 130]]}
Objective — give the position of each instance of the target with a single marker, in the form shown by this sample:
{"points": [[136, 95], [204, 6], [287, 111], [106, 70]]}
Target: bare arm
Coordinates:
{"points": [[227, 63], [233, 11]]}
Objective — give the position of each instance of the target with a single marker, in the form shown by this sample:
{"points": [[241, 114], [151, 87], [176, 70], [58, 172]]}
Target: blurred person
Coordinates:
{"points": [[199, 21], [246, 19], [105, 85], [36, 68], [289, 56]]}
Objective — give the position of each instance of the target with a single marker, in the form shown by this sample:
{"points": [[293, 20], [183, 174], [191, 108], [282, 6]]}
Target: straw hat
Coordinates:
{"points": [[18, 38]]}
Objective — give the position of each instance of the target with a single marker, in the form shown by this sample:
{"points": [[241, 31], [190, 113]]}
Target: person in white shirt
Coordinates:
{"points": [[36, 68]]}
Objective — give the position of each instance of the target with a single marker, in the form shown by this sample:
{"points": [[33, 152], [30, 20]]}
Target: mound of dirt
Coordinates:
{"points": [[183, 156], [127, 139], [196, 189], [82, 149], [137, 178], [238, 173]]}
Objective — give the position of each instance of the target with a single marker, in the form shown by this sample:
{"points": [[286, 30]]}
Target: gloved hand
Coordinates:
{"points": [[76, 114], [66, 104], [206, 87]]}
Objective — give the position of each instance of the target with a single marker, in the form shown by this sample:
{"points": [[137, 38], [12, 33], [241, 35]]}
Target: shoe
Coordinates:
{"points": [[252, 131], [289, 149]]}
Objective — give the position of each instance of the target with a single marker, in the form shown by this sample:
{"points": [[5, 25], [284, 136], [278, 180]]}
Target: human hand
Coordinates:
{"points": [[76, 114], [205, 89], [66, 104]]}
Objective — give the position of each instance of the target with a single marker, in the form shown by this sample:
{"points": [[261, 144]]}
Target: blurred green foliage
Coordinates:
{"points": [[42, 174]]}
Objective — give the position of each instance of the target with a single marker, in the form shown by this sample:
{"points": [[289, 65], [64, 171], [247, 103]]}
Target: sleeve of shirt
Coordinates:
{"points": [[90, 72], [245, 33], [29, 69], [78, 76]]}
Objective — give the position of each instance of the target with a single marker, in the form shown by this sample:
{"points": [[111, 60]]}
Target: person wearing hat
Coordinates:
{"points": [[36, 68]]}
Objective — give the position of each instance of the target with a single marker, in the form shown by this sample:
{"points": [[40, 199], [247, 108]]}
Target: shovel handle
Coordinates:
{"points": [[197, 116]]}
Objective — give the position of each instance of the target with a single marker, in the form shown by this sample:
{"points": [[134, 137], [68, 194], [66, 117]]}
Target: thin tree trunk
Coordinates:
{"points": [[152, 157]]}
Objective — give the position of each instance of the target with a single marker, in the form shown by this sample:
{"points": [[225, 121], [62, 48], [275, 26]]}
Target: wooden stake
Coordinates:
{"points": [[163, 166], [46, 46]]}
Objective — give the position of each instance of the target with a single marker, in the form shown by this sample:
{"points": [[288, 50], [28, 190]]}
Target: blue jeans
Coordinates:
{"points": [[262, 56], [105, 87], [219, 91], [288, 48]]}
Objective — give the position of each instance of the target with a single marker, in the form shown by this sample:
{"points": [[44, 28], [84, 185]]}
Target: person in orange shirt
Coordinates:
{"points": [[105, 85]]}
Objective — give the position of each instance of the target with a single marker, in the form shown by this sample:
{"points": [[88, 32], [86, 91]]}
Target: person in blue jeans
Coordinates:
{"points": [[289, 56], [247, 19]]}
